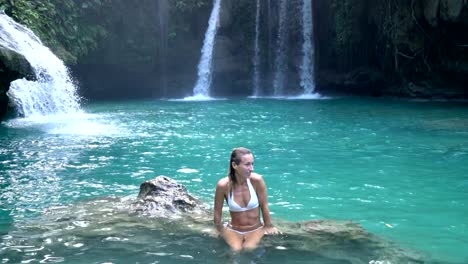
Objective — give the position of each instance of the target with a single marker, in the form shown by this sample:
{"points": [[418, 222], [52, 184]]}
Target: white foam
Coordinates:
{"points": [[187, 170], [69, 124]]}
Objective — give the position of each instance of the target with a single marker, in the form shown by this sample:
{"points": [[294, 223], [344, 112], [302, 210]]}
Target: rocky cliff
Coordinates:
{"points": [[403, 48], [400, 48]]}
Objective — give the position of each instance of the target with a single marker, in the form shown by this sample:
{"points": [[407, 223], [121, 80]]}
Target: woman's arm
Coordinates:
{"points": [[263, 200], [218, 205]]}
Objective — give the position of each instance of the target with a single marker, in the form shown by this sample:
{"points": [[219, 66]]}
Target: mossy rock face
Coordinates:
{"points": [[13, 66]]}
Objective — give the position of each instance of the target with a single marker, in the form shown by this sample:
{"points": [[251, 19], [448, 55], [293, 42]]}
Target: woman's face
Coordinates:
{"points": [[245, 167]]}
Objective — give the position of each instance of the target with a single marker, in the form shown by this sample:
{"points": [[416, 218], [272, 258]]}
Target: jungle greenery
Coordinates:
{"points": [[73, 28]]}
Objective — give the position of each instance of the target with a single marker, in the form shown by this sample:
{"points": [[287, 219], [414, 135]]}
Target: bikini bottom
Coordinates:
{"points": [[230, 227]]}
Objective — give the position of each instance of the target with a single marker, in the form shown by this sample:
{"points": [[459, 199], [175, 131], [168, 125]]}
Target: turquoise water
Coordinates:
{"points": [[398, 168]]}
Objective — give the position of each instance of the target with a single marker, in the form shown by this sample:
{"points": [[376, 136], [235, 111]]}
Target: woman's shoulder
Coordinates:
{"points": [[255, 177], [257, 181], [223, 183]]}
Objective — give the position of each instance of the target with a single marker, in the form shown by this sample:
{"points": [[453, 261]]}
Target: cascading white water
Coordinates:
{"points": [[256, 62], [202, 87], [53, 92], [163, 21], [307, 67], [281, 51], [270, 30]]}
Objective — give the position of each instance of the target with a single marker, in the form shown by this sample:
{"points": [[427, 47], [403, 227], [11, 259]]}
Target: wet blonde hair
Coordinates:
{"points": [[236, 157]]}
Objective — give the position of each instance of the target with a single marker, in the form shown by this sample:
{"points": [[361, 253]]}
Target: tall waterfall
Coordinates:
{"points": [[281, 50], [270, 34], [256, 62], [54, 91], [307, 67], [163, 21], [202, 87]]}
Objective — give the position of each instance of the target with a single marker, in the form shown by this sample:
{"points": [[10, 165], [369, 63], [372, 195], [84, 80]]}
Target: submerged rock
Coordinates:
{"points": [[164, 197], [342, 241], [113, 224]]}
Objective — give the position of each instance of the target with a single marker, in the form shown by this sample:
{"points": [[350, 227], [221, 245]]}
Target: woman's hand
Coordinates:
{"points": [[271, 230]]}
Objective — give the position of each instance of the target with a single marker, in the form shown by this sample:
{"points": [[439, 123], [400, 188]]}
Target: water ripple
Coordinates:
{"points": [[387, 163]]}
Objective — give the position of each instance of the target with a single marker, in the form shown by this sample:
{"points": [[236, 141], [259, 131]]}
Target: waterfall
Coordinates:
{"points": [[163, 17], [53, 92], [270, 34], [202, 87], [281, 51], [307, 67], [256, 62]]}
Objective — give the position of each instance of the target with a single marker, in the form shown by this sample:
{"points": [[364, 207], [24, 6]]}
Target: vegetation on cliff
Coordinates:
{"points": [[362, 46], [74, 28], [416, 43], [70, 27]]}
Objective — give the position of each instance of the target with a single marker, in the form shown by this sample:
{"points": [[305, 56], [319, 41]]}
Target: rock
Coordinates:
{"points": [[13, 66], [450, 10], [230, 76], [342, 241], [445, 10], [227, 57], [360, 81], [114, 219], [345, 241], [164, 197], [16, 64], [225, 14], [431, 11]]}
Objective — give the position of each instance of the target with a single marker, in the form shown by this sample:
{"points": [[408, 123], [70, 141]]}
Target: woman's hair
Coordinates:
{"points": [[236, 157]]}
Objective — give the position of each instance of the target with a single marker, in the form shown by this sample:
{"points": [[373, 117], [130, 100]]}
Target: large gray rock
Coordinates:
{"points": [[342, 241], [13, 66], [164, 197]]}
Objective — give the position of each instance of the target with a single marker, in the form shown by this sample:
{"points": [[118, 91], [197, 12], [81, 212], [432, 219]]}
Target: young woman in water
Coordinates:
{"points": [[246, 194]]}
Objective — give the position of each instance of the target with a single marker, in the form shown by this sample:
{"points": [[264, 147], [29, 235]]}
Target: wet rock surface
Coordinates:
{"points": [[340, 241], [163, 220], [164, 197]]}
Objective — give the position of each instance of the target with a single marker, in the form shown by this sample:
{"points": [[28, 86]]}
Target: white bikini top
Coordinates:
{"points": [[253, 203]]}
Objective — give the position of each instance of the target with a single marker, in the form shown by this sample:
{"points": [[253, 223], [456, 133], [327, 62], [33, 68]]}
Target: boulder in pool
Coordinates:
{"points": [[164, 197]]}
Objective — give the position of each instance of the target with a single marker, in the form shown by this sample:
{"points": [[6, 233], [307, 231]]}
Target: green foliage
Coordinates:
{"points": [[182, 13], [137, 33], [343, 24], [183, 6], [125, 31], [67, 26]]}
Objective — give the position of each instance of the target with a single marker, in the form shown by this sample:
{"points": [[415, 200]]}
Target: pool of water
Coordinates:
{"points": [[398, 168]]}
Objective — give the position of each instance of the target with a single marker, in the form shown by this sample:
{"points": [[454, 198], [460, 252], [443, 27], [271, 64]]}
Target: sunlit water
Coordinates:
{"points": [[398, 168]]}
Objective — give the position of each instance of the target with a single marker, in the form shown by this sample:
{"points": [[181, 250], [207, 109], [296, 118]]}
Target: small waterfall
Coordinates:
{"points": [[163, 17], [202, 87], [53, 92], [270, 21], [270, 34], [256, 62], [307, 67], [281, 51]]}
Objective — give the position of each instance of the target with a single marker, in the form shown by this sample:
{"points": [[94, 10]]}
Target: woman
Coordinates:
{"points": [[246, 194]]}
